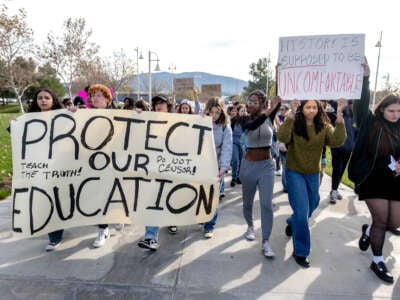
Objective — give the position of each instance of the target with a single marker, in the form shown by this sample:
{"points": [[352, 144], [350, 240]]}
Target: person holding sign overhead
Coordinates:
{"points": [[258, 166], [375, 168], [306, 130]]}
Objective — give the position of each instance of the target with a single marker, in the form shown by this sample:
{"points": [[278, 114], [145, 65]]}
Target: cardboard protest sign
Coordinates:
{"points": [[321, 67], [111, 166], [210, 90], [183, 87], [183, 84]]}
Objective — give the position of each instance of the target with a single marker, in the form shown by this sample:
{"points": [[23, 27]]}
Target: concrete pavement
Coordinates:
{"points": [[187, 266]]}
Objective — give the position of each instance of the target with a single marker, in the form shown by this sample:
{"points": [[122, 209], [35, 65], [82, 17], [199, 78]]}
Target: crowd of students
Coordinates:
{"points": [[258, 133]]}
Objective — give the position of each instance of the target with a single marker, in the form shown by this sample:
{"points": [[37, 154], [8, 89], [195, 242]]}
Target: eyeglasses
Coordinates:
{"points": [[253, 102]]}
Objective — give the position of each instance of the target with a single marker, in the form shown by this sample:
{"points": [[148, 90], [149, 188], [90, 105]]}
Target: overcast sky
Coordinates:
{"points": [[220, 36]]}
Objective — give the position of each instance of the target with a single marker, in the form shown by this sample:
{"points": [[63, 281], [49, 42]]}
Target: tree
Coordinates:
{"points": [[16, 72], [68, 52], [387, 88], [261, 73], [46, 78], [120, 68], [114, 72], [23, 75]]}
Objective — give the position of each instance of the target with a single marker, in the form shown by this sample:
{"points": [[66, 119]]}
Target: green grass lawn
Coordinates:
{"points": [[7, 112]]}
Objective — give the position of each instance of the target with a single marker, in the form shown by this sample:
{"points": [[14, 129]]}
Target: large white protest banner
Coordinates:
{"points": [[320, 67], [111, 166]]}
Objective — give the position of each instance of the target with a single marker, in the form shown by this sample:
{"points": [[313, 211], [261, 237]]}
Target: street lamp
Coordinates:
{"points": [[172, 68], [268, 61], [138, 56], [379, 45], [157, 68]]}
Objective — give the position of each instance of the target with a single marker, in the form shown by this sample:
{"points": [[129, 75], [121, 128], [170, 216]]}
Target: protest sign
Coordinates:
{"points": [[210, 90], [111, 166], [320, 67], [184, 87]]}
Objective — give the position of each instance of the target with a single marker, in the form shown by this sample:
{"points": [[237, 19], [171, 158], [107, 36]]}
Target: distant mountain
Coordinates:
{"points": [[163, 80]]}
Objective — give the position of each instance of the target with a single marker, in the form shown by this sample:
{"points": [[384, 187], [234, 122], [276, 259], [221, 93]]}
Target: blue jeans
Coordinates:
{"points": [[304, 199], [237, 154], [222, 185], [152, 232], [209, 226], [282, 157], [56, 236]]}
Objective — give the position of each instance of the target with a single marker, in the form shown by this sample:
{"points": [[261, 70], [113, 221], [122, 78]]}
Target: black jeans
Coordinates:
{"points": [[340, 158]]}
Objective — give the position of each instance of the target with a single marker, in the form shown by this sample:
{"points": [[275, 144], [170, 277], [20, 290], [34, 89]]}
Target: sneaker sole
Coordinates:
{"points": [[53, 248], [145, 246], [269, 256]]}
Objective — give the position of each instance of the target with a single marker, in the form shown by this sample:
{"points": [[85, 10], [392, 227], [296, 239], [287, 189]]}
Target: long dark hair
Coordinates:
{"points": [[300, 124], [217, 102], [390, 134], [34, 107]]}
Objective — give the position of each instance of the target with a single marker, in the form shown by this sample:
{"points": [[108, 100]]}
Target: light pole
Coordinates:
{"points": [[267, 89], [172, 68], [379, 45], [157, 68], [138, 56]]}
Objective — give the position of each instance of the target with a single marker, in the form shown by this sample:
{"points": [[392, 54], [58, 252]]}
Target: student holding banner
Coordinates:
{"points": [[375, 168], [159, 103], [45, 100], [100, 98], [306, 131], [257, 168], [222, 133]]}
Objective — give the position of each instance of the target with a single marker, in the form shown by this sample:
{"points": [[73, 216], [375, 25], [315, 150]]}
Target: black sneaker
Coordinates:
{"points": [[302, 261], [149, 244], [364, 241], [381, 271], [395, 231], [233, 182], [172, 229], [288, 230], [238, 181]]}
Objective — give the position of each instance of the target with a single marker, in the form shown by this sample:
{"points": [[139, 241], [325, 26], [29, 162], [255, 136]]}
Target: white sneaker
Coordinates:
{"points": [[208, 234], [101, 238], [267, 250], [52, 246], [278, 172], [250, 235], [334, 195], [119, 226]]}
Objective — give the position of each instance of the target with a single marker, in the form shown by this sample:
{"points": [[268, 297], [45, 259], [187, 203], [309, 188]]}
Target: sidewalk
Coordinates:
{"points": [[189, 267]]}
